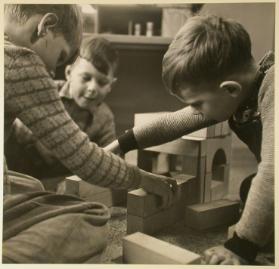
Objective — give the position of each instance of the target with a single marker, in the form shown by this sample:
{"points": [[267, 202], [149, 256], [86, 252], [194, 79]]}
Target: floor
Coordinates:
{"points": [[243, 164]]}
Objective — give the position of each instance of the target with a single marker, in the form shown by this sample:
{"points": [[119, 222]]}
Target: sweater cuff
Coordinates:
{"points": [[127, 141], [242, 247]]}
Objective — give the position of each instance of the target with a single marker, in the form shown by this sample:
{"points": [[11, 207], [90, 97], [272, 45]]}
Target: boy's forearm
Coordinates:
{"points": [[165, 128], [44, 114]]}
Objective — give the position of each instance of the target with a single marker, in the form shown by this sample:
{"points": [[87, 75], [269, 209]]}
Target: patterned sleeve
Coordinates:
{"points": [[168, 127], [31, 95]]}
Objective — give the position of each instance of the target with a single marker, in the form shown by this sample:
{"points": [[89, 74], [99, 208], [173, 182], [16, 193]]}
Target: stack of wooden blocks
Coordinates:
{"points": [[204, 155]]}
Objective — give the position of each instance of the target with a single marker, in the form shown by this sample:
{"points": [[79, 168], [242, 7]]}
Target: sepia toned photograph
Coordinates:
{"points": [[139, 133]]}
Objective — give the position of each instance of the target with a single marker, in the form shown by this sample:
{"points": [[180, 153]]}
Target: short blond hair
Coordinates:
{"points": [[205, 49], [69, 18]]}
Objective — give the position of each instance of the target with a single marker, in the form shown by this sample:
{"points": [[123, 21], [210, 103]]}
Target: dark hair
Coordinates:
{"points": [[69, 18], [100, 52], [206, 48]]}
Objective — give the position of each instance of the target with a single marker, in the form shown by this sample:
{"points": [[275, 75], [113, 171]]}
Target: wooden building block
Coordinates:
{"points": [[218, 129], [211, 146], [142, 204], [203, 133], [226, 130], [190, 164], [131, 157], [220, 182], [70, 185], [217, 183], [94, 193], [139, 248], [207, 188], [144, 215], [213, 214], [218, 190], [154, 223], [161, 164]]}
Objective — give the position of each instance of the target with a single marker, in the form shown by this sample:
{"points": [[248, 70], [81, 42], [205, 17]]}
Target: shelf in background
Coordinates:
{"points": [[132, 41]]}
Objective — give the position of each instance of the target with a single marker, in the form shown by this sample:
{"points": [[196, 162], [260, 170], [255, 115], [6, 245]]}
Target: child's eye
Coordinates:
{"points": [[86, 78], [102, 82]]}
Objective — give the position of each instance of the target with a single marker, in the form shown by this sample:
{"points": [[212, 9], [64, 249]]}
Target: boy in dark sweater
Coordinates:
{"points": [[210, 68]]}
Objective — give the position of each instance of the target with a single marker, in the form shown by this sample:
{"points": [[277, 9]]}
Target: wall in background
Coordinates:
{"points": [[257, 18]]}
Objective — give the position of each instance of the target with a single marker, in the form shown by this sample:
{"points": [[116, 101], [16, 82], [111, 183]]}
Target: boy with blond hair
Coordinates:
{"points": [[210, 68], [38, 38]]}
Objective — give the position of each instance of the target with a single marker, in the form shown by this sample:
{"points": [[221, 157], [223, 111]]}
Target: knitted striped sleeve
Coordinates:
{"points": [[31, 95], [167, 127], [257, 219]]}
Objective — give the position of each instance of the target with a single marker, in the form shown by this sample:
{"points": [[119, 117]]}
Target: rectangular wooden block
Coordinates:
{"points": [[94, 193], [218, 190], [154, 223], [139, 248], [226, 130], [144, 215], [142, 204], [207, 188], [132, 157], [218, 129], [212, 214], [70, 185]]}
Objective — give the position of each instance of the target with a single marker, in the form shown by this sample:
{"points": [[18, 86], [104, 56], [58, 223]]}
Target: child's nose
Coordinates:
{"points": [[92, 88]]}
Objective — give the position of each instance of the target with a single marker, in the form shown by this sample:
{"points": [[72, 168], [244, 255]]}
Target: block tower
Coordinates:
{"points": [[205, 155]]}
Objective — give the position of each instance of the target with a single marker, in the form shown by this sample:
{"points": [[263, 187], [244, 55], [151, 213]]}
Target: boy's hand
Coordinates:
{"points": [[113, 147], [22, 133], [221, 255], [166, 188]]}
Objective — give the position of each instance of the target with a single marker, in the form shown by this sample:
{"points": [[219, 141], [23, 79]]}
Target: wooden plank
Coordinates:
{"points": [[131, 157], [94, 193], [226, 130], [213, 214], [139, 248]]}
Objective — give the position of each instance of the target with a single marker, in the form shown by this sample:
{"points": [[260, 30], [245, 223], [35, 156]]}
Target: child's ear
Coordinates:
{"points": [[68, 71], [233, 88], [47, 22]]}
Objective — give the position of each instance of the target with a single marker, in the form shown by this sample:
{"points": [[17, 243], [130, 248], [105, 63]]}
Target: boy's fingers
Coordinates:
{"points": [[207, 254], [216, 259]]}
